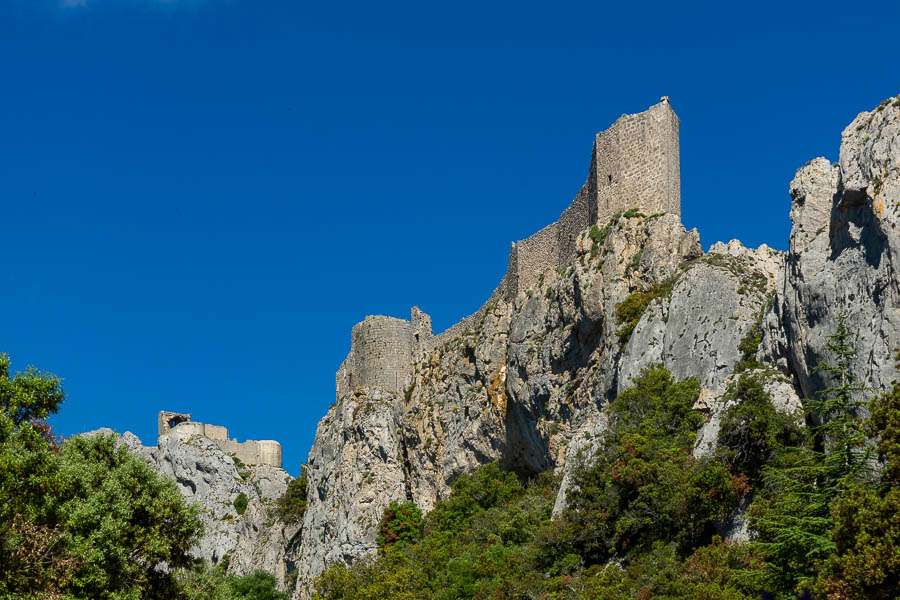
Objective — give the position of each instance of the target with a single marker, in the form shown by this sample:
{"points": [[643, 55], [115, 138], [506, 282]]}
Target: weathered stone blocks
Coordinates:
{"points": [[251, 452]]}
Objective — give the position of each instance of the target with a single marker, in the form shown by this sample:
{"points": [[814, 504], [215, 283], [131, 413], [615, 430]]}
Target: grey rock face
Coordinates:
{"points": [[526, 380], [355, 469], [206, 475], [715, 402], [843, 258], [527, 384], [713, 305]]}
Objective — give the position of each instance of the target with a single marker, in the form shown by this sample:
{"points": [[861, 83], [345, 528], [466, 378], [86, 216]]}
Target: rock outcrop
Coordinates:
{"points": [[526, 385], [213, 479], [843, 257], [525, 380]]}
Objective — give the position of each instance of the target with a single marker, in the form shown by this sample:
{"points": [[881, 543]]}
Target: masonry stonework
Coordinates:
{"points": [[251, 452], [634, 164], [381, 352]]}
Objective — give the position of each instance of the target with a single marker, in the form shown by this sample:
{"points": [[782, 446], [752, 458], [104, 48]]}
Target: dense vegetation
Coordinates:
{"points": [[820, 492], [87, 519], [643, 517]]}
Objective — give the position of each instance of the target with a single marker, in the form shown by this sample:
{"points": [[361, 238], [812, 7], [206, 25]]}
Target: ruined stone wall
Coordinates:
{"points": [[505, 291], [636, 165], [573, 221], [421, 327], [165, 420], [538, 254], [215, 432], [251, 452], [191, 428], [381, 352]]}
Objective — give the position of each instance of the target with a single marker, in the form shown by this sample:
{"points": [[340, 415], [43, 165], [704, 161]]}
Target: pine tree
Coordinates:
{"points": [[847, 455], [792, 518]]}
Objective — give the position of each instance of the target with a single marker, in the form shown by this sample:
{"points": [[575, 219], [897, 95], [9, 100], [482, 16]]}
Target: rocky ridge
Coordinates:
{"points": [[527, 384], [212, 478]]}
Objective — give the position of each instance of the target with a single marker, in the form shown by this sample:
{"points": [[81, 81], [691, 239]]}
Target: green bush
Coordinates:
{"points": [[598, 236], [751, 430], [643, 485], [240, 503], [748, 347], [630, 310], [292, 504], [258, 585], [86, 519], [400, 525], [204, 582]]}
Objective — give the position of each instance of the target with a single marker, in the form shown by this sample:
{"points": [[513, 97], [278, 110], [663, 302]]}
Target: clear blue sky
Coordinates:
{"points": [[201, 197]]}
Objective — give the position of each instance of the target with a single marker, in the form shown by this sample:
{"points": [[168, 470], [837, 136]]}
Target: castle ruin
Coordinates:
{"points": [[634, 164], [251, 452]]}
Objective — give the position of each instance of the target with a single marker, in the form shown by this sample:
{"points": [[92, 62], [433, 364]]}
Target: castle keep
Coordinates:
{"points": [[634, 164], [251, 452]]}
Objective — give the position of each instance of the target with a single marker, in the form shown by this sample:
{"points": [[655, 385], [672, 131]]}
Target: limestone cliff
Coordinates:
{"points": [[524, 380], [844, 256], [614, 285], [214, 479]]}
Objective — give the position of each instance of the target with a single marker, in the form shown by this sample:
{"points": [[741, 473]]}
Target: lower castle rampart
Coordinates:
{"points": [[251, 452], [634, 164]]}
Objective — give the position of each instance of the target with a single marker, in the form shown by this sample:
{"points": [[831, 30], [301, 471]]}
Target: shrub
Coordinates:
{"points": [[748, 348], [643, 485], [240, 503], [598, 236], [400, 525], [291, 506], [258, 585], [630, 310], [752, 430]]}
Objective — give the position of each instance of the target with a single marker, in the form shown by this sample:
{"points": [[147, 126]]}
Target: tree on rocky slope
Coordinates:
{"points": [[84, 520], [866, 534], [793, 518]]}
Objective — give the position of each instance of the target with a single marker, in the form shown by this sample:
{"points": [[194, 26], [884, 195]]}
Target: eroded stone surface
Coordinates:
{"points": [[525, 380], [843, 258], [206, 475]]}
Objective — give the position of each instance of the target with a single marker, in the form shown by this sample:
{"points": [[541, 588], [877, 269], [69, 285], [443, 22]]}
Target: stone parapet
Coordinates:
{"points": [[251, 452]]}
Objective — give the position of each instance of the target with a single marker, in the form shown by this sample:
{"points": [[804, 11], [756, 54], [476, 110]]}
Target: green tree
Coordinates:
{"points": [[34, 561], [292, 504], [751, 430], [82, 520], [793, 518], [26, 397], [644, 485], [205, 582], [846, 452], [129, 524], [792, 522], [400, 525], [258, 585], [866, 561]]}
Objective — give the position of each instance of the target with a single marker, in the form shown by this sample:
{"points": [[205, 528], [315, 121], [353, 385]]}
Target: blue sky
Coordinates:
{"points": [[201, 197]]}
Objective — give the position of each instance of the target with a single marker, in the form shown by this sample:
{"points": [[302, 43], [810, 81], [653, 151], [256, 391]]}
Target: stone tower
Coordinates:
{"points": [[635, 164], [381, 352]]}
